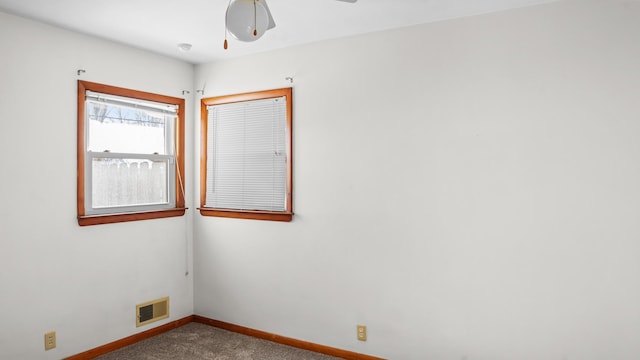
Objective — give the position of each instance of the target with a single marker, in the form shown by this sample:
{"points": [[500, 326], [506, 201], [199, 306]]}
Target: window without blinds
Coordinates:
{"points": [[130, 155], [247, 155]]}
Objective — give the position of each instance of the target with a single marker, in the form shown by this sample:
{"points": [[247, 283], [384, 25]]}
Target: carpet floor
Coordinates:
{"points": [[196, 341]]}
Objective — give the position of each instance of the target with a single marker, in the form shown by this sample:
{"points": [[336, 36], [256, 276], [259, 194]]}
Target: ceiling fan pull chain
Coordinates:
{"points": [[226, 15], [255, 19]]}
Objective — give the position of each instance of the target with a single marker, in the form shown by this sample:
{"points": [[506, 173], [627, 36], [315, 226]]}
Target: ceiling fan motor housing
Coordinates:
{"points": [[247, 20]]}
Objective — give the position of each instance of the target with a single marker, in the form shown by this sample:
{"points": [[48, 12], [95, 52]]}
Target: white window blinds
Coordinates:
{"points": [[246, 157]]}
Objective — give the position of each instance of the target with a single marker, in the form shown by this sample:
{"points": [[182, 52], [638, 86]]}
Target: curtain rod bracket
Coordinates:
{"points": [[80, 71]]}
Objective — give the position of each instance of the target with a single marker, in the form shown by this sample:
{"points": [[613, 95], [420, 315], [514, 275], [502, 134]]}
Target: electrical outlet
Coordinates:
{"points": [[362, 333], [50, 340]]}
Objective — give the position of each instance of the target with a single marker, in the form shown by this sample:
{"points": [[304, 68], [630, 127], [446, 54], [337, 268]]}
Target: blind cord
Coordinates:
{"points": [[186, 223], [184, 197]]}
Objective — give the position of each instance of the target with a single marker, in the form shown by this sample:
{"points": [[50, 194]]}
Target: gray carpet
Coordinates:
{"points": [[196, 341]]}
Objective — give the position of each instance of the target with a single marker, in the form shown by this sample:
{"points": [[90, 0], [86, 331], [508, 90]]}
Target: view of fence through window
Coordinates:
{"points": [[130, 152], [126, 182]]}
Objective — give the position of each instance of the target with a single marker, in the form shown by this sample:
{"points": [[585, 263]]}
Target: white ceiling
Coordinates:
{"points": [[159, 25]]}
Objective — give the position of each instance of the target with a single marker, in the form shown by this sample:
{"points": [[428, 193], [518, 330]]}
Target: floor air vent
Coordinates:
{"points": [[152, 311]]}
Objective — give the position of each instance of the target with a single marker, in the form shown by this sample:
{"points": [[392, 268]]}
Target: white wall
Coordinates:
{"points": [[467, 189], [82, 282], [472, 192]]}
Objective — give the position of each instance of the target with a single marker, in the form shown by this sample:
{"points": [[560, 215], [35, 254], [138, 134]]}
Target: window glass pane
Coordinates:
{"points": [[124, 129], [129, 182]]}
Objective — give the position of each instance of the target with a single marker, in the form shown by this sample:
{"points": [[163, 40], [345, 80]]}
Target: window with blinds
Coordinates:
{"points": [[247, 170], [130, 154]]}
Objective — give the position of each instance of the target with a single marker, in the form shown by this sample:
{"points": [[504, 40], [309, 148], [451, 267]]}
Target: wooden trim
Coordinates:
{"points": [[115, 218], [322, 349], [180, 154], [118, 344], [204, 128], [289, 146], [80, 149], [255, 215], [180, 181], [238, 214], [135, 94], [255, 95]]}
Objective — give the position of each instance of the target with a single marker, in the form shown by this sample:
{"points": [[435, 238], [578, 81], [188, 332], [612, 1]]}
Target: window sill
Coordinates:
{"points": [[123, 217], [255, 215]]}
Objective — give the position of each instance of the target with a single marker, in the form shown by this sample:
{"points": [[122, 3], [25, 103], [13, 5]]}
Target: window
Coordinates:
{"points": [[130, 155], [246, 163]]}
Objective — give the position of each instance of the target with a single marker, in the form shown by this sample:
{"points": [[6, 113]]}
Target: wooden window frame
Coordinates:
{"points": [[179, 209], [286, 215]]}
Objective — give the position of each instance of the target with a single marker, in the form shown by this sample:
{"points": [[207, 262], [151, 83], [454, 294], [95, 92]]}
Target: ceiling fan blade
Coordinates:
{"points": [[272, 23], [349, 1]]}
